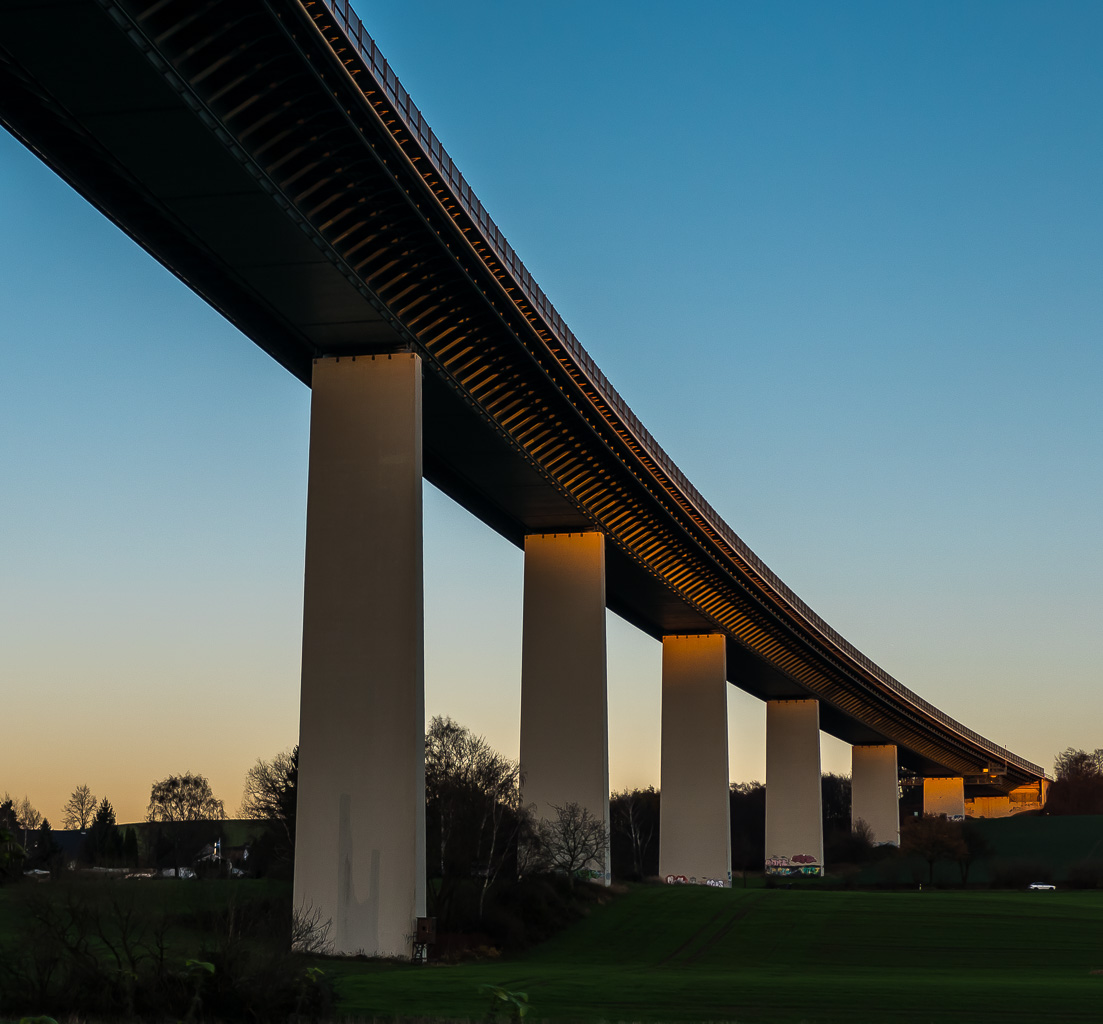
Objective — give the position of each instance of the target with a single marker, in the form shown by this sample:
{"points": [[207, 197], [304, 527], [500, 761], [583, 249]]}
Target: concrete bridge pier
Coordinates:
{"points": [[875, 791], [944, 796], [564, 708], [695, 835], [360, 836], [794, 798]]}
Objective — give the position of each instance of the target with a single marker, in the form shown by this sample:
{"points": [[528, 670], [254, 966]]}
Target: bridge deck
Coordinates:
{"points": [[266, 154]]}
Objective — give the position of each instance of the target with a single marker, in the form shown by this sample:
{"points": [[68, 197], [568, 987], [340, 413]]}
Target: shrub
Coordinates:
{"points": [[889, 871], [97, 949]]}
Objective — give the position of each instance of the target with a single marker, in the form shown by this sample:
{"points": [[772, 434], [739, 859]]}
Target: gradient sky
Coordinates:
{"points": [[844, 260]]}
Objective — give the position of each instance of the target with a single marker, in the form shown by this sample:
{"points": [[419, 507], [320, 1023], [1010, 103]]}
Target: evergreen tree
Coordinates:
{"points": [[103, 845], [47, 854], [8, 818], [11, 856]]}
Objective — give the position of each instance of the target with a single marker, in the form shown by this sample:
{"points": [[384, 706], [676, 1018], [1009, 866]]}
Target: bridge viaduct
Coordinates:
{"points": [[266, 154]]}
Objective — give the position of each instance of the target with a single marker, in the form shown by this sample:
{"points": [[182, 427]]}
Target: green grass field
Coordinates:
{"points": [[658, 953], [760, 955]]}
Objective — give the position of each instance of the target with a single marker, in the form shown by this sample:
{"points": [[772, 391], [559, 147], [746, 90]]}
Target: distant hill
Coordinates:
{"points": [[1057, 842]]}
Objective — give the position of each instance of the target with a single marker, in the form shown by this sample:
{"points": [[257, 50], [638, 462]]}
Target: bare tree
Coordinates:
{"points": [[28, 819], [1079, 785], [933, 837], [453, 757], [747, 814], [974, 846], [271, 790], [835, 800], [184, 797], [1078, 762], [532, 850], [634, 814], [500, 783], [472, 798], [465, 782], [79, 809], [309, 932], [574, 838]]}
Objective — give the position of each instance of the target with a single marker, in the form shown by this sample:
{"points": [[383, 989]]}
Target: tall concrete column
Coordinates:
{"points": [[944, 796], [875, 791], [360, 835], [694, 833], [794, 816], [564, 711]]}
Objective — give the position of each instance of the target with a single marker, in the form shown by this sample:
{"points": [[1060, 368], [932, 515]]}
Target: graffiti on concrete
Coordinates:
{"points": [[798, 864], [716, 883]]}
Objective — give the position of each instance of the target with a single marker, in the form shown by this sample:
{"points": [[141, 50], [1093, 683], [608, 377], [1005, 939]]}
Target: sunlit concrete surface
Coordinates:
{"points": [[794, 821], [564, 707], [360, 835], [944, 796], [998, 806], [875, 791], [695, 837]]}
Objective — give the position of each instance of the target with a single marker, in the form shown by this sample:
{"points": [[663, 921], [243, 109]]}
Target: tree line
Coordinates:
{"points": [[476, 824], [29, 841]]}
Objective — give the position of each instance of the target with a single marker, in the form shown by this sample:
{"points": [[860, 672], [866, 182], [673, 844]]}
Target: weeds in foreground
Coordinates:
{"points": [[98, 950], [502, 1001]]}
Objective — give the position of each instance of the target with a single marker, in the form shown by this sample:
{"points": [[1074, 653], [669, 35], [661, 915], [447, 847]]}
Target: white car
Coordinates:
{"points": [[1040, 885]]}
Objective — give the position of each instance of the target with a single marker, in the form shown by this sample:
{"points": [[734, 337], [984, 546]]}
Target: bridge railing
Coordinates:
{"points": [[416, 124]]}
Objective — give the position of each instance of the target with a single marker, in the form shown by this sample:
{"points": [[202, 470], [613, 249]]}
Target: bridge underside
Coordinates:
{"points": [[284, 189]]}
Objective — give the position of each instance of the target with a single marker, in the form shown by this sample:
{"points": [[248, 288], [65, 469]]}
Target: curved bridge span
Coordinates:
{"points": [[265, 152]]}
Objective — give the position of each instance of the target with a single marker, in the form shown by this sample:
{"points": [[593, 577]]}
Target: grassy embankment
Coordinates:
{"points": [[758, 955], [1057, 842]]}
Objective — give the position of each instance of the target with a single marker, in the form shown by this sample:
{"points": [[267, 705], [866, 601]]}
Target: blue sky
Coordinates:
{"points": [[843, 260]]}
